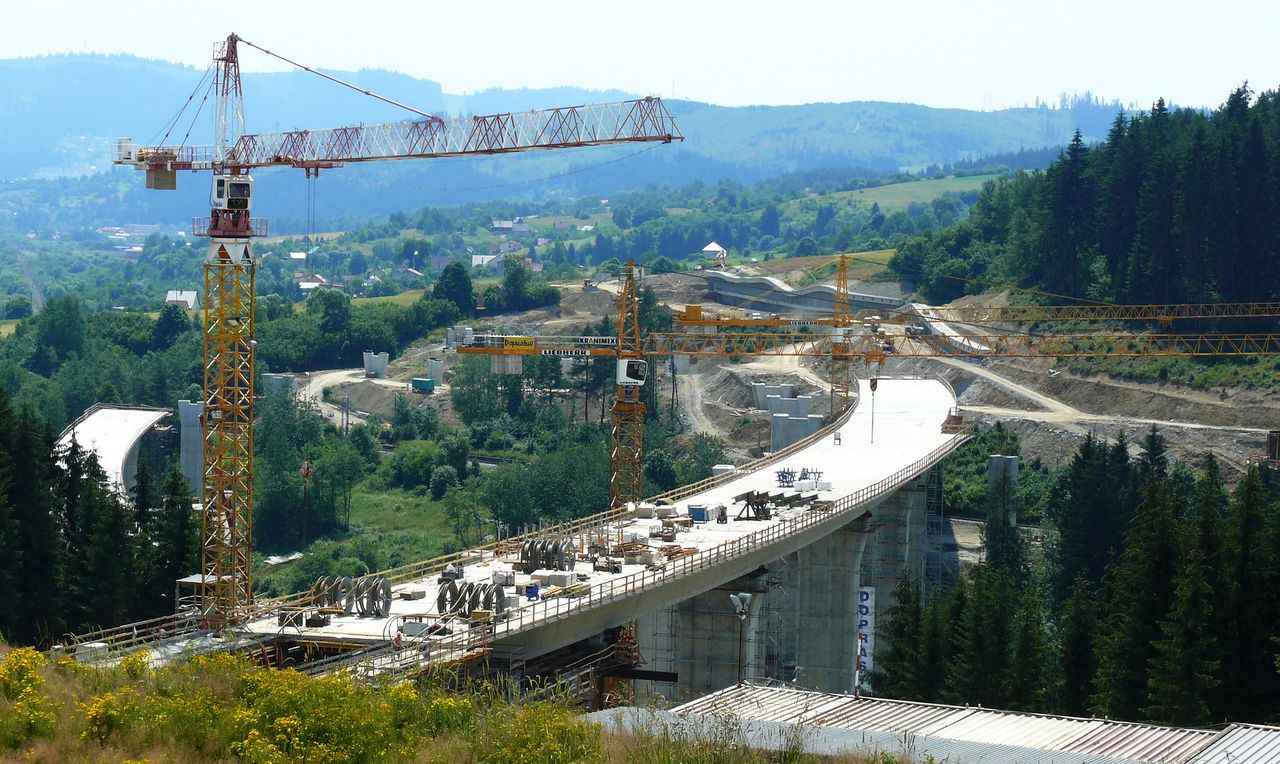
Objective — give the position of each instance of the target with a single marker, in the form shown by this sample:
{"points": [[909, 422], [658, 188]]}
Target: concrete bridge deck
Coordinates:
{"points": [[905, 418]]}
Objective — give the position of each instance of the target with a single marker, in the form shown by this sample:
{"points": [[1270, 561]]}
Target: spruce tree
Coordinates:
{"points": [[1077, 632], [1140, 594], [108, 581], [40, 567], [173, 543], [1182, 673], [10, 549], [1002, 546], [143, 495], [979, 668], [1027, 683], [1155, 459], [897, 667], [932, 675], [1248, 679]]}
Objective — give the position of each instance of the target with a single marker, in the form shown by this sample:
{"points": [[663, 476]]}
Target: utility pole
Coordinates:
{"points": [[742, 606]]}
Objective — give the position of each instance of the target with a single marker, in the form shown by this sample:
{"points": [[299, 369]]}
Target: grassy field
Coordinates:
{"points": [[388, 529], [896, 196], [899, 195], [8, 326], [403, 299]]}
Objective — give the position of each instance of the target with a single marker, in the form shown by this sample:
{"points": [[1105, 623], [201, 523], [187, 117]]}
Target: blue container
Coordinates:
{"points": [[699, 513], [531, 592]]}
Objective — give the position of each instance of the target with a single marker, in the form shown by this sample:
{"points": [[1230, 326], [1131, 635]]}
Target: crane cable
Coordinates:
{"points": [[343, 83], [172, 123]]}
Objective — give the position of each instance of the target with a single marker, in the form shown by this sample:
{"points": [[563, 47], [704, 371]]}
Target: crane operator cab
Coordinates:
{"points": [[231, 192], [632, 372], [231, 197]]}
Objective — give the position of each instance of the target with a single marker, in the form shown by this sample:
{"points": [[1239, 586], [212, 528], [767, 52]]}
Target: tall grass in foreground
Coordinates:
{"points": [[221, 708]]}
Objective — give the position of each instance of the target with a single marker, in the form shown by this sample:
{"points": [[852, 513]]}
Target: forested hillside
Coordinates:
{"points": [[1151, 595], [1174, 206], [64, 113]]}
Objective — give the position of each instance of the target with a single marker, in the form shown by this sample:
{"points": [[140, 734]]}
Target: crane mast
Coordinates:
{"points": [[227, 423], [230, 265]]}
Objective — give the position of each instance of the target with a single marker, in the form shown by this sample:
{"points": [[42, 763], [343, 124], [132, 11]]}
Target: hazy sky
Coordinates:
{"points": [[976, 54]]}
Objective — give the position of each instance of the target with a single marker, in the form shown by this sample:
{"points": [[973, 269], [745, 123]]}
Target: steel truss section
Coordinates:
{"points": [[639, 121], [627, 414], [227, 493]]}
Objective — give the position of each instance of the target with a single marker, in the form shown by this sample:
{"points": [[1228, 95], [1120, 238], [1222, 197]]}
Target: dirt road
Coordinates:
{"points": [[690, 400], [1064, 414]]}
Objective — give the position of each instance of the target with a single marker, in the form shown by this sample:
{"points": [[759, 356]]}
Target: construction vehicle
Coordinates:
{"points": [[227, 421]]}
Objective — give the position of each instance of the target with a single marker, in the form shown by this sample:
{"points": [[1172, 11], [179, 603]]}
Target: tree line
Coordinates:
{"points": [[1153, 598], [1176, 205], [74, 553]]}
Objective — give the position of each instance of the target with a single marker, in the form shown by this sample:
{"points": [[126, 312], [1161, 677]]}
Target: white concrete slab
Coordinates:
{"points": [[112, 434], [889, 431]]}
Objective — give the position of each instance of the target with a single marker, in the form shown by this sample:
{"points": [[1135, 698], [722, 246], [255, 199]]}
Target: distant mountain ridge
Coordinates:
{"points": [[63, 114]]}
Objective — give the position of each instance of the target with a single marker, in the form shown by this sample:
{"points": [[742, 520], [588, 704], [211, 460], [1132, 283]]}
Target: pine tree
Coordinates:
{"points": [[1182, 673], [897, 668]]}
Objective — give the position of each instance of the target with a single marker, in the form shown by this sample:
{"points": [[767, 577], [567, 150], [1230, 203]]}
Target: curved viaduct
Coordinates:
{"points": [[816, 534], [854, 517]]}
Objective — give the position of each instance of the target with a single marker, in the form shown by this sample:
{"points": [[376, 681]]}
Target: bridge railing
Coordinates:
{"points": [[425, 568], [543, 612]]}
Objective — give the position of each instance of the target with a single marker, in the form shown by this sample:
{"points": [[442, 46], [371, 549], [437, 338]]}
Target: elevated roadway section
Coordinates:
{"points": [[808, 509], [861, 460], [767, 293]]}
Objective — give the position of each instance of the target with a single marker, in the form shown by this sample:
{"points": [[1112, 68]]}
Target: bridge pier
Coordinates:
{"points": [[800, 627], [896, 543]]}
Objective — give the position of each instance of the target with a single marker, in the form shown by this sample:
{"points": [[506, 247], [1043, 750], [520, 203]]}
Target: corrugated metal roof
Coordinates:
{"points": [[828, 741], [975, 733], [1241, 744], [889, 716], [1142, 742], [1005, 728]]}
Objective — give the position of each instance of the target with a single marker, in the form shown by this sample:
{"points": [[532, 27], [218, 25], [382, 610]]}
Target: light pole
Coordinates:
{"points": [[742, 606]]}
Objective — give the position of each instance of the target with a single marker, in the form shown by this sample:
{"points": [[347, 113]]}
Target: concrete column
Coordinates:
{"points": [[758, 394], [801, 626], [822, 584], [191, 445], [699, 640], [896, 543]]}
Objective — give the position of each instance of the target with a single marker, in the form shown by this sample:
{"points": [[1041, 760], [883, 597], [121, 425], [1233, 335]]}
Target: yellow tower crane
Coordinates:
{"points": [[227, 490], [830, 338]]}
